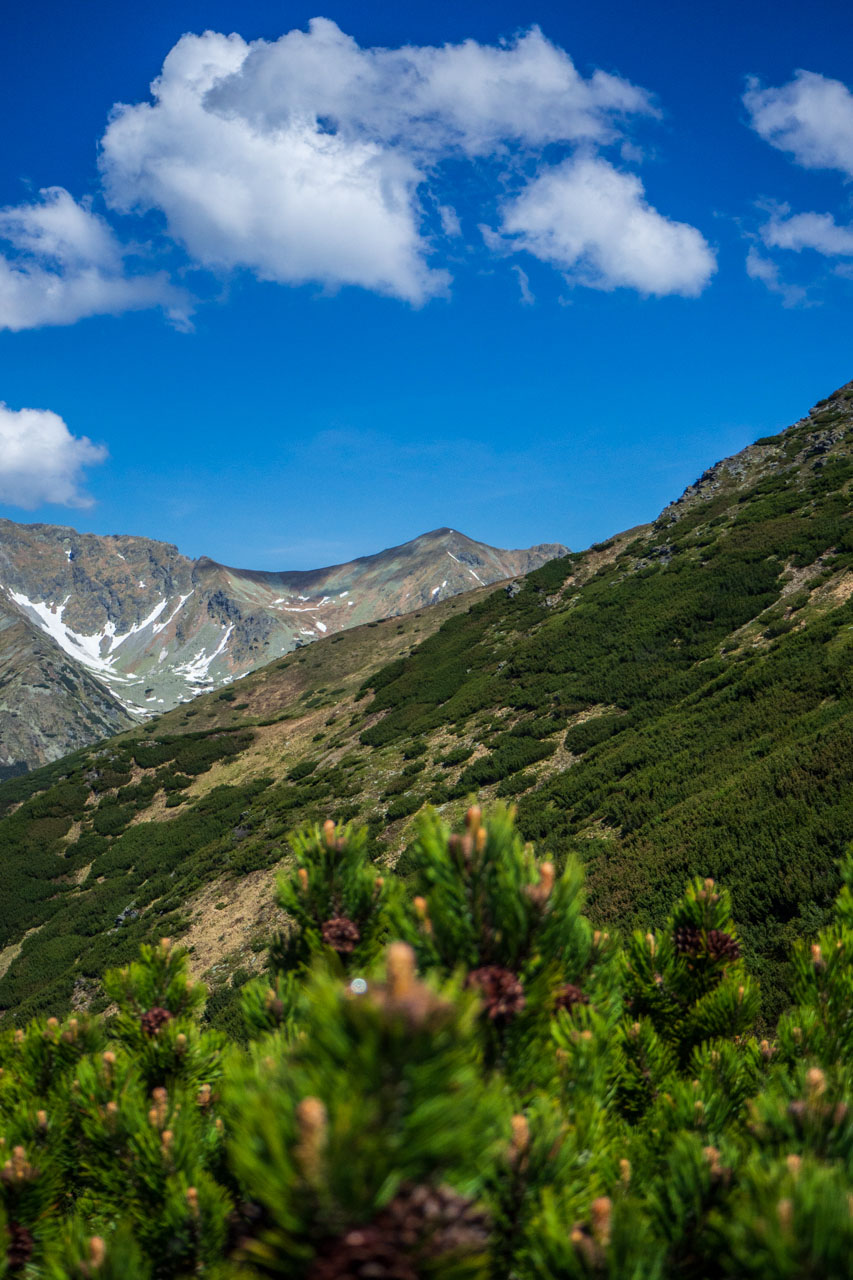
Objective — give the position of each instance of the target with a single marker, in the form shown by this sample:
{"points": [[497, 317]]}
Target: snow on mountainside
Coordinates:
{"points": [[154, 628]]}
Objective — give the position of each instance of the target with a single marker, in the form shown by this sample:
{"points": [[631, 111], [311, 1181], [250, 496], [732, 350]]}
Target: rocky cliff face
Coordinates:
{"points": [[49, 704], [113, 629]]}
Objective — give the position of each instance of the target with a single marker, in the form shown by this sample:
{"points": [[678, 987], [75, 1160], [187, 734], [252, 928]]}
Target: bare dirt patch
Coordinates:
{"points": [[841, 589], [10, 954], [228, 915]]}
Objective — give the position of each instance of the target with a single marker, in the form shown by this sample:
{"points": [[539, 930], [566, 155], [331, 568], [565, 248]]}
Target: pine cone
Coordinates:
{"points": [[570, 995], [722, 946], [21, 1245], [154, 1019], [687, 939], [420, 1223], [503, 994], [363, 1254], [341, 935]]}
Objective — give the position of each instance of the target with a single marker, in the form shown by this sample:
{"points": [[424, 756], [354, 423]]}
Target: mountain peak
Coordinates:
{"points": [[153, 628]]}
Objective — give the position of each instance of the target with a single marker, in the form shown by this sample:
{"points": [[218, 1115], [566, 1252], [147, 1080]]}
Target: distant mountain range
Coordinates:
{"points": [[97, 632]]}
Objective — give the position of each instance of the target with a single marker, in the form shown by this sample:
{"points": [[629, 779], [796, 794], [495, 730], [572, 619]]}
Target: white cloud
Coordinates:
{"points": [[291, 202], [63, 262], [469, 96], [41, 461], [304, 159], [766, 271], [818, 231], [811, 117], [450, 224], [527, 297], [593, 222]]}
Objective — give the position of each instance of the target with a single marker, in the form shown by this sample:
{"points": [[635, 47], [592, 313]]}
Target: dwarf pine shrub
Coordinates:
{"points": [[452, 1075]]}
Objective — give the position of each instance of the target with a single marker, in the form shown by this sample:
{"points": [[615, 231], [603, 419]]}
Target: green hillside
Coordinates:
{"points": [[674, 702]]}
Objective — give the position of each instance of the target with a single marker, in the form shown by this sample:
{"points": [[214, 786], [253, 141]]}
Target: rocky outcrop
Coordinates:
{"points": [[49, 704]]}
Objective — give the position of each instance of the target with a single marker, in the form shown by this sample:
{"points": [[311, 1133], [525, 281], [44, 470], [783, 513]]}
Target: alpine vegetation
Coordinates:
{"points": [[447, 1073]]}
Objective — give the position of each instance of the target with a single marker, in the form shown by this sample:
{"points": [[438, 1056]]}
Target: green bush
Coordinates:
{"points": [[403, 806], [110, 818], [302, 770], [590, 732], [502, 1092]]}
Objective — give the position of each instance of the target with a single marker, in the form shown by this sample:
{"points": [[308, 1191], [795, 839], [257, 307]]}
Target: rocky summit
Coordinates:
{"points": [[98, 632]]}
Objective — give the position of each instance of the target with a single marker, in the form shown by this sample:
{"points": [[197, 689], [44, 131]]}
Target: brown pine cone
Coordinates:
{"points": [[341, 935], [420, 1223], [154, 1019], [502, 993], [363, 1254], [687, 939], [722, 946], [568, 996], [21, 1245]]}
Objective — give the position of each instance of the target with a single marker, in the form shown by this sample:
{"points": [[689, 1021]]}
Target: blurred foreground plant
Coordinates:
{"points": [[478, 1084]]}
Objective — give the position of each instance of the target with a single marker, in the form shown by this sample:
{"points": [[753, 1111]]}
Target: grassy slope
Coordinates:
{"points": [[675, 701], [147, 822]]}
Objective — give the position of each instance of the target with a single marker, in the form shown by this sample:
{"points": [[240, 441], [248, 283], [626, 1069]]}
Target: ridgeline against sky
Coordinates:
{"points": [[293, 287]]}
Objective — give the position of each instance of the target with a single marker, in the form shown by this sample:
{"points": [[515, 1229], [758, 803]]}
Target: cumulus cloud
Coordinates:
{"points": [[469, 96], [818, 231], [811, 117], [63, 262], [594, 223], [41, 461], [310, 158], [293, 201]]}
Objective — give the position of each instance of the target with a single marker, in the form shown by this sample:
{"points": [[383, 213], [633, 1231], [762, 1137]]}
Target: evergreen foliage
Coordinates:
{"points": [[481, 1086]]}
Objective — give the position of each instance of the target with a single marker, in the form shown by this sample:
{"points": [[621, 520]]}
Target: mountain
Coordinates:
{"points": [[118, 628], [675, 700], [49, 703]]}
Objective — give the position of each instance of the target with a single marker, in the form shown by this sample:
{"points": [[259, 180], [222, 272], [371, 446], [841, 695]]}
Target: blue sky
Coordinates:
{"points": [[325, 291]]}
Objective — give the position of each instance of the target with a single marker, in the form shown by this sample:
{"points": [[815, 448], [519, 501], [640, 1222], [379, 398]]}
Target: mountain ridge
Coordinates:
{"points": [[155, 628]]}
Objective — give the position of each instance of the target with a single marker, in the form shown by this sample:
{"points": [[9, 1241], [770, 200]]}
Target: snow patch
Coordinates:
{"points": [[162, 625], [139, 626], [197, 669], [465, 566], [85, 649]]}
